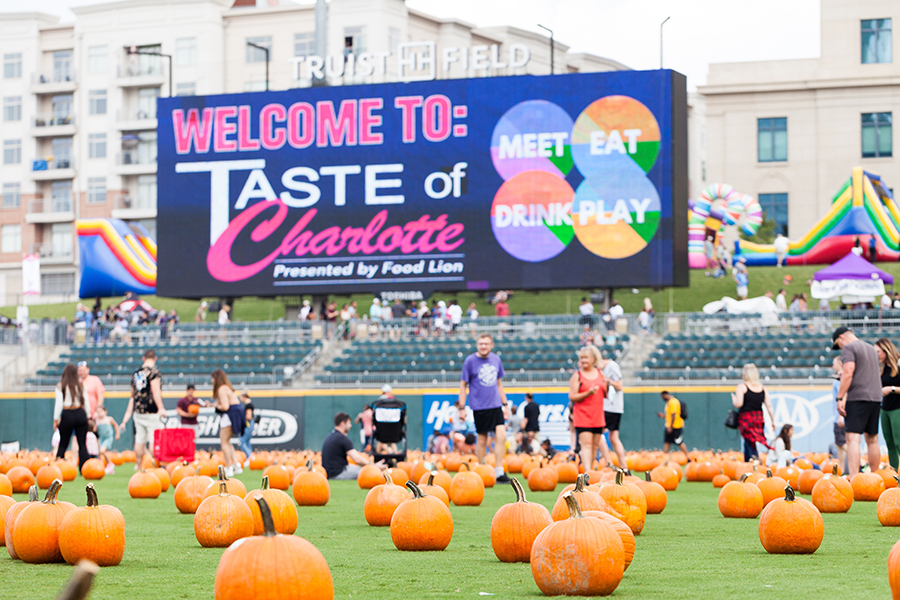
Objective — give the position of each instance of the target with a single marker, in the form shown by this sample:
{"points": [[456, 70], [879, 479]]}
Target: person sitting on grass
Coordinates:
{"points": [[337, 447]]}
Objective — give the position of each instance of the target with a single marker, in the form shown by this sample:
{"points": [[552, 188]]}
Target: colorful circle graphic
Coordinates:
{"points": [[612, 134], [532, 136], [530, 216], [615, 217]]}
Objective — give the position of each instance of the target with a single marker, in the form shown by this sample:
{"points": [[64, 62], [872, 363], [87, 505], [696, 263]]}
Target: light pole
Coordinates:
{"points": [[661, 41], [266, 50], [134, 50], [551, 46]]}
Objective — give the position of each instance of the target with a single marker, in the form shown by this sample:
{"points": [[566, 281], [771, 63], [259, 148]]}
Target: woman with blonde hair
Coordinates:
{"points": [[890, 398], [231, 418], [749, 398], [587, 390]]}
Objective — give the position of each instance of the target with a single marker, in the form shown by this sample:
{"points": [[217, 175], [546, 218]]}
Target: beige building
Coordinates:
{"points": [[789, 131], [78, 127]]}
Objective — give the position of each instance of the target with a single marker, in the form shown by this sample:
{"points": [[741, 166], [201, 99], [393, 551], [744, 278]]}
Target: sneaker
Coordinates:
{"points": [[229, 472], [247, 464], [504, 479], [237, 469]]}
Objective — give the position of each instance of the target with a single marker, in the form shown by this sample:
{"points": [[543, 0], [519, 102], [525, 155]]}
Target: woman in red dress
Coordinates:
{"points": [[587, 390]]}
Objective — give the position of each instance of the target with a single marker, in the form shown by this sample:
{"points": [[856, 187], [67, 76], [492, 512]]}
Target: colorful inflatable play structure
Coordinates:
{"points": [[115, 258], [862, 208]]}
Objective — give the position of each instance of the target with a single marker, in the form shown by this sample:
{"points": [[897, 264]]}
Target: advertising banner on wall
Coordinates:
{"points": [[565, 181]]}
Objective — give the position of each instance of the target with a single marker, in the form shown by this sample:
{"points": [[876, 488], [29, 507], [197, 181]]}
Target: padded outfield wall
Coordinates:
{"points": [[298, 419]]}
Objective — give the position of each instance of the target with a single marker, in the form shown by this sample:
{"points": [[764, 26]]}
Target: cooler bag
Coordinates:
{"points": [[173, 444]]}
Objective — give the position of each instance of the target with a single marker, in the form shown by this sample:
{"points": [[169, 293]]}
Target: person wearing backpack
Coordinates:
{"points": [[674, 415]]}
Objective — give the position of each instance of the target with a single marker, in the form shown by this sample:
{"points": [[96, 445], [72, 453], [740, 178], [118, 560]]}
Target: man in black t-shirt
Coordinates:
{"points": [[531, 418], [146, 404], [337, 447]]}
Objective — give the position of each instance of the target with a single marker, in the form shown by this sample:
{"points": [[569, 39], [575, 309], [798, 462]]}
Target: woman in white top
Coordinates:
{"points": [[70, 413], [781, 455], [231, 419]]}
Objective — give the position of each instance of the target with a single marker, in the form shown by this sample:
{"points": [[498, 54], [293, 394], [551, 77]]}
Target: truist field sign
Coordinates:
{"points": [[516, 182]]}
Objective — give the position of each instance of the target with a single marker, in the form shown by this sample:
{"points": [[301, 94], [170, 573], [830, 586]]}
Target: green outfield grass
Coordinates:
{"points": [[701, 291], [689, 551]]}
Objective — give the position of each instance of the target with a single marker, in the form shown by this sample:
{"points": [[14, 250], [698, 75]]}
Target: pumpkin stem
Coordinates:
{"points": [[265, 482], [222, 474], [466, 465], [579, 483], [897, 479], [647, 476], [744, 477], [572, 504], [620, 477], [33, 494], [417, 492], [266, 514], [431, 477], [223, 488], [92, 500], [768, 472], [387, 477], [520, 493], [310, 464], [834, 469], [50, 498], [789, 494]]}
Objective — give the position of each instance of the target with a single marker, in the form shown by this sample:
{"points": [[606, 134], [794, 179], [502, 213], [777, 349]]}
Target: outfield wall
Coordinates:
{"points": [[301, 419]]}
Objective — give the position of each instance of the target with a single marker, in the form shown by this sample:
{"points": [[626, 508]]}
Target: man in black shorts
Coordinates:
{"points": [[531, 418], [859, 396]]}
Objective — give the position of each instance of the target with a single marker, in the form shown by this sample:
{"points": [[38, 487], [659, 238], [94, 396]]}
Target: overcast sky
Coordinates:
{"points": [[699, 31]]}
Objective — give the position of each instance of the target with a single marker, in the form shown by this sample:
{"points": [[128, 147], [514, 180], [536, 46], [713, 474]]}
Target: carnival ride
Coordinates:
{"points": [[863, 208], [115, 257]]}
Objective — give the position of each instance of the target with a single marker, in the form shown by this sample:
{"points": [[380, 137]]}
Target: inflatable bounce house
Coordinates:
{"points": [[115, 258], [863, 208]]}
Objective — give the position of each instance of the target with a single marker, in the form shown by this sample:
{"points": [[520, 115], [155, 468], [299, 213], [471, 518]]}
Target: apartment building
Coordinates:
{"points": [[78, 127]]}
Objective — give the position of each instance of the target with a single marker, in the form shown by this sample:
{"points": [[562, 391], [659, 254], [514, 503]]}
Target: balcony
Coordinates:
{"points": [[55, 210], [140, 75], [52, 256], [52, 170], [134, 162], [130, 208], [53, 126], [56, 82], [135, 120]]}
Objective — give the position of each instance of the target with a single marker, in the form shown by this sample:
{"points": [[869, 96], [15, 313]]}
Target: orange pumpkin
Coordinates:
{"points": [[36, 532], [279, 477], [888, 475], [790, 474], [431, 489], [486, 472], [284, 514], [542, 479], [514, 463], [466, 487], [771, 486], [706, 471], [626, 502], [516, 525], [93, 469], [68, 469], [567, 472], [222, 519], [624, 531], [6, 502], [791, 525], [46, 475], [190, 492], [5, 486], [234, 486], [828, 465], [587, 500], [665, 476], [398, 476], [421, 523], [656, 496], [832, 493], [180, 472], [382, 500], [95, 532], [258, 462], [867, 487], [741, 499], [165, 481], [9, 521], [286, 562], [888, 508], [720, 480], [808, 479], [310, 489], [21, 479], [894, 570], [144, 485], [369, 477], [581, 556], [440, 478]]}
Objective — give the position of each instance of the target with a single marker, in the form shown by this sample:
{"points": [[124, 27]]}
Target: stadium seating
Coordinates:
{"points": [[247, 363]]}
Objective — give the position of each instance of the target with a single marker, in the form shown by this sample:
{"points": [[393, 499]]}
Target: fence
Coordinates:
{"points": [[812, 321]]}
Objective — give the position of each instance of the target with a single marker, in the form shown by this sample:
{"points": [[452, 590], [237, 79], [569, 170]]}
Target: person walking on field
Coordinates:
{"points": [[481, 379], [245, 441], [531, 418], [614, 406], [890, 397], [859, 397], [70, 414], [749, 398], [674, 423], [840, 426], [145, 405], [93, 388], [587, 389], [231, 419]]}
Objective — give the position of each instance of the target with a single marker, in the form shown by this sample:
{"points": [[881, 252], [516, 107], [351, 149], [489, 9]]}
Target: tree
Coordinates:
{"points": [[766, 234]]}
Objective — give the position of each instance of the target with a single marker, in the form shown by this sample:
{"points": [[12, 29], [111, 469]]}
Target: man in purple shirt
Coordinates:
{"points": [[481, 379]]}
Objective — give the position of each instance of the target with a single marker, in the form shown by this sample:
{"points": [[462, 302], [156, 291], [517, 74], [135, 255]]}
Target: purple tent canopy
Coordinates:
{"points": [[853, 267]]}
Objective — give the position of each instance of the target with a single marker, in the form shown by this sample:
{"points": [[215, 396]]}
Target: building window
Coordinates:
{"points": [[12, 108], [877, 135], [188, 88], [186, 52], [12, 195], [144, 64], [255, 55], [772, 139], [58, 284], [61, 106], [876, 41], [62, 153], [11, 239], [304, 44], [62, 65], [97, 102], [775, 207], [12, 65], [61, 240], [146, 191], [12, 152], [96, 190], [354, 40], [61, 196], [97, 145], [97, 59], [255, 86], [394, 40], [147, 102]]}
